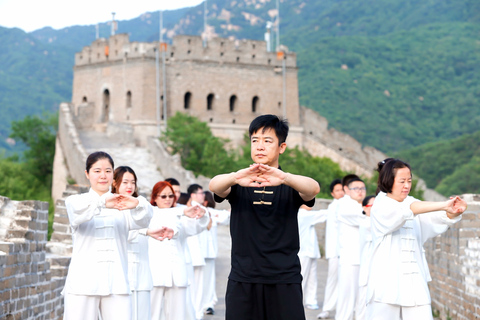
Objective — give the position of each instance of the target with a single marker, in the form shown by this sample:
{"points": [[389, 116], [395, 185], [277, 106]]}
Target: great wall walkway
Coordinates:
{"points": [[138, 158]]}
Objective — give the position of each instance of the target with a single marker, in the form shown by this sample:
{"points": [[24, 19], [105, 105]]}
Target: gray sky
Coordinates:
{"points": [[30, 15]]}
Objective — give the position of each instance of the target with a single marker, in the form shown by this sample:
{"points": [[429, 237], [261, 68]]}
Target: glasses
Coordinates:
{"points": [[164, 196], [358, 189]]}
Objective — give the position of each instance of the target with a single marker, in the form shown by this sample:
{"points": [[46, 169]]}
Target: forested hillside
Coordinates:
{"points": [[394, 74], [451, 167]]}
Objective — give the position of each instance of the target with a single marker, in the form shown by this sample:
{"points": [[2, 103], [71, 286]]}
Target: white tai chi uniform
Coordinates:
{"points": [[209, 247], [365, 240], [331, 253], [97, 277], [397, 283], [139, 275], [349, 216], [167, 263], [309, 252]]}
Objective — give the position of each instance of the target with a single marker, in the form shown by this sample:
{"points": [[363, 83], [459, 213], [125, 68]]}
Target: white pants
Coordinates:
{"points": [[309, 282], [331, 288], [347, 291], [140, 305], [111, 307], [198, 291], [381, 311], [361, 306], [168, 303], [209, 296]]}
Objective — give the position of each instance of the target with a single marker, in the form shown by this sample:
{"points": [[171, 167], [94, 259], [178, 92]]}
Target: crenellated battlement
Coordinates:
{"points": [[184, 48]]}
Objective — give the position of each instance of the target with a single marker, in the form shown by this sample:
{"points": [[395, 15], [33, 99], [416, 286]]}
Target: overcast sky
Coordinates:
{"points": [[30, 15]]}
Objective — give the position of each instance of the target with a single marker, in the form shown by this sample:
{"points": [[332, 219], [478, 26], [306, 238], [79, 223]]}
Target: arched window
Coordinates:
{"points": [[210, 98], [233, 103], [255, 104], [106, 105], [187, 100], [84, 99], [128, 104]]}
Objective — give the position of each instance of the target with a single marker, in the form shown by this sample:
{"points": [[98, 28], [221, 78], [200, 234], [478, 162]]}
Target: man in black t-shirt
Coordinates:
{"points": [[265, 280]]}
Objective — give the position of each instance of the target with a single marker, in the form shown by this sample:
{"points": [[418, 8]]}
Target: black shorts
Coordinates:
{"points": [[258, 301]]}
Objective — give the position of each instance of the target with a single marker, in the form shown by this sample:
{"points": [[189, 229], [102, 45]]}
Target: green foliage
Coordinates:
{"points": [[451, 167], [199, 150], [30, 177], [323, 170], [18, 183], [39, 136]]}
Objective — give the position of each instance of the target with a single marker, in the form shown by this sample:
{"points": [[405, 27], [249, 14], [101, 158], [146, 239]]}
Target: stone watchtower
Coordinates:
{"points": [[226, 83]]}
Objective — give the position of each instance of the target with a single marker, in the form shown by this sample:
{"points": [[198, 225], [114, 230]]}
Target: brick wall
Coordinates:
{"points": [[29, 285], [454, 262]]}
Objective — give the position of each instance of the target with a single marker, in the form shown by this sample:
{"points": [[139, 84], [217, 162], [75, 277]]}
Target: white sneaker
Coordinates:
{"points": [[312, 306], [323, 315]]}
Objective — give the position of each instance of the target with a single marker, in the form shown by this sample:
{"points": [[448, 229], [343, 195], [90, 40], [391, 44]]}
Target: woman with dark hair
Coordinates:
{"points": [[97, 280], [140, 278], [167, 258], [397, 284]]}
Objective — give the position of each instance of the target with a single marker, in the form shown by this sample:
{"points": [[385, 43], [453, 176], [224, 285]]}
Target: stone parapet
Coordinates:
{"points": [[30, 289], [73, 150]]}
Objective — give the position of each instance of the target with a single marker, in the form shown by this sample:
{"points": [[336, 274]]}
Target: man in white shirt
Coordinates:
{"points": [[349, 218], [331, 250]]}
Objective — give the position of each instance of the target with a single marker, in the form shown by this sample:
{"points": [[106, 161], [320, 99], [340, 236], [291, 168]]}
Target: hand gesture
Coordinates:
{"points": [[194, 212], [161, 234], [271, 176], [455, 207], [111, 201], [121, 202]]}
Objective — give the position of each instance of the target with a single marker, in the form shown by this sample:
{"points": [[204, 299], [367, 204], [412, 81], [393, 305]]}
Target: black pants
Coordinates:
{"points": [[258, 301]]}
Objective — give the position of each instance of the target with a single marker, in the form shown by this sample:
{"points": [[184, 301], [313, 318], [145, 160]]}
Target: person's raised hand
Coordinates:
{"points": [[271, 176], [124, 202], [194, 212], [455, 207], [111, 201], [249, 177]]}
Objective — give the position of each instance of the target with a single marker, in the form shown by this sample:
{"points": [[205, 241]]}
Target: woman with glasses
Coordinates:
{"points": [[167, 258], [397, 284], [349, 217]]}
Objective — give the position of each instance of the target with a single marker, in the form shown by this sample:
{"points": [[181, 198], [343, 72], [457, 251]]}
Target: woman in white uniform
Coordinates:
{"points": [[139, 276], [97, 280], [397, 284], [167, 258]]}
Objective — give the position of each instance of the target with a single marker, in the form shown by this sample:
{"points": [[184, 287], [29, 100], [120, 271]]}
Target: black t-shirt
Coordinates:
{"points": [[264, 231]]}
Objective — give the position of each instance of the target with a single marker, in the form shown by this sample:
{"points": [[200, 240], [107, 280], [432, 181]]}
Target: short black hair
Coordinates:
{"points": [[173, 181], [387, 169], [347, 178], [334, 183], [354, 180], [193, 188], [270, 121]]}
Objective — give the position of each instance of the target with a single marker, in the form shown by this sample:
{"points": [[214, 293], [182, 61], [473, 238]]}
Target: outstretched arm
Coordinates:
{"points": [[454, 207]]}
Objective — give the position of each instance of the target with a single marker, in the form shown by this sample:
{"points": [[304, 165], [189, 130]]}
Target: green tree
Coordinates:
{"points": [[38, 134]]}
